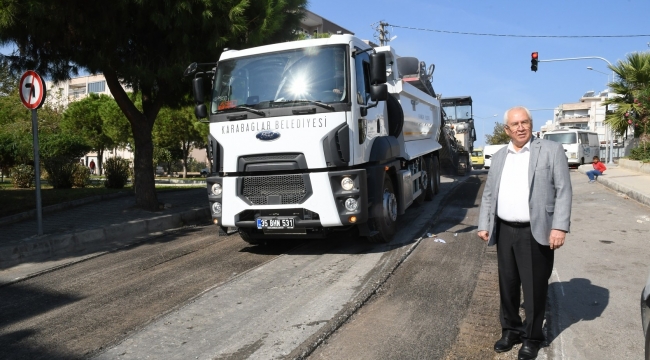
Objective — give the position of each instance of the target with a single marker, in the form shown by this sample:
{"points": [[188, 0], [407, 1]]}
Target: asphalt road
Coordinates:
{"points": [[419, 311], [192, 294], [75, 311]]}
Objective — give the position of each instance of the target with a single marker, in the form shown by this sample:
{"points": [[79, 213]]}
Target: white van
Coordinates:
{"points": [[488, 151], [580, 145]]}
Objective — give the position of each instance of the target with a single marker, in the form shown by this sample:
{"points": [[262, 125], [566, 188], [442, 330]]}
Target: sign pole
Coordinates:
{"points": [[32, 94], [37, 173]]}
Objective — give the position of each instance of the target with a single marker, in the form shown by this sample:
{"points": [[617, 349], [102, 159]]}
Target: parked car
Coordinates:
{"points": [[477, 158], [645, 316], [488, 151], [160, 171], [205, 172]]}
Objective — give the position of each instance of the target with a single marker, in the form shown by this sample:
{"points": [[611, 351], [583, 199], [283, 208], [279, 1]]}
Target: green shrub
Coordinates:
{"points": [[640, 154], [22, 176], [80, 176], [60, 153], [117, 172], [59, 173]]}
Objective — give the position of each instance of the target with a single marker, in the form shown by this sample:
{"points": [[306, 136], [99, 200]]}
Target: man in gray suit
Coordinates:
{"points": [[525, 211]]}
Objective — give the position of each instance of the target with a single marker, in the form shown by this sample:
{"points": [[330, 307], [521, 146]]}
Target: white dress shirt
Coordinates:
{"points": [[512, 203]]}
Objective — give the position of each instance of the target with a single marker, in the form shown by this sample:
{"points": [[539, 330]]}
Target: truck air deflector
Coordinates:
{"points": [[271, 162], [336, 146]]}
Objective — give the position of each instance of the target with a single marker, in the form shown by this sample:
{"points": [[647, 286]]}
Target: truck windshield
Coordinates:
{"points": [[286, 78], [459, 112], [565, 138]]}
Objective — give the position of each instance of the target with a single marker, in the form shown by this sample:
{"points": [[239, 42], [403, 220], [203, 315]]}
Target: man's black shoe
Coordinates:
{"points": [[528, 350], [506, 343]]}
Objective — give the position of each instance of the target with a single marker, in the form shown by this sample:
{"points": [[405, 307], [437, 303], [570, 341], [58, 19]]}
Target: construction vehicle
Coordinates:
{"points": [[460, 133], [317, 136]]}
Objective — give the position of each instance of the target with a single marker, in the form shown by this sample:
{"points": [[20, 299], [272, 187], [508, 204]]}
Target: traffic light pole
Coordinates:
{"points": [[611, 141]]}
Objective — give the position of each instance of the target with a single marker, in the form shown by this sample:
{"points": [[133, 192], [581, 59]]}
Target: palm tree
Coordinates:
{"points": [[632, 84]]}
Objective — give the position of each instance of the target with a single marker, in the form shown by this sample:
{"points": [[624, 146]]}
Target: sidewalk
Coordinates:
{"points": [[627, 178], [71, 230]]}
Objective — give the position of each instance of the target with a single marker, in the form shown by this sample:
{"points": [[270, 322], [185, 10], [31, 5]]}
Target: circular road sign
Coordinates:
{"points": [[32, 90]]}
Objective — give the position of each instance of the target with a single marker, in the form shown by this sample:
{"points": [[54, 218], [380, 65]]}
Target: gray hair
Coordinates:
{"points": [[505, 116]]}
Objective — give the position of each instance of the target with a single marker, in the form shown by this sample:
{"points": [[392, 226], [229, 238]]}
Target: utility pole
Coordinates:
{"points": [[383, 33]]}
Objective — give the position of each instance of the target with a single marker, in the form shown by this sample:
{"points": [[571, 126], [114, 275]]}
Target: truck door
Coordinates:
{"points": [[369, 126]]}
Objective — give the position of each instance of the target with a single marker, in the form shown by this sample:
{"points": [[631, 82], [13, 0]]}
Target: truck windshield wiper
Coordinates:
{"points": [[297, 101], [245, 108]]}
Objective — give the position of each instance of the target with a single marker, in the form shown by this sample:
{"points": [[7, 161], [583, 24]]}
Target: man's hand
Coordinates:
{"points": [[484, 235], [556, 239]]}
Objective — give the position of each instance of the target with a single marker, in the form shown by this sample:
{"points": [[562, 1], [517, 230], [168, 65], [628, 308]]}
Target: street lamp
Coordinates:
{"points": [[610, 134]]}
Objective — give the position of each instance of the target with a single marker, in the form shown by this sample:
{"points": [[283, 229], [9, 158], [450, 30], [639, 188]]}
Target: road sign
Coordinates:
{"points": [[32, 90]]}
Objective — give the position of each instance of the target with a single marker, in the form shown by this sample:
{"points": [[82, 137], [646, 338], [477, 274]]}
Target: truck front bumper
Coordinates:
{"points": [[312, 200]]}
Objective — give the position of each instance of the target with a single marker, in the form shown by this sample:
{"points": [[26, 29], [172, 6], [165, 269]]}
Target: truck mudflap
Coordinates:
{"points": [[289, 203]]}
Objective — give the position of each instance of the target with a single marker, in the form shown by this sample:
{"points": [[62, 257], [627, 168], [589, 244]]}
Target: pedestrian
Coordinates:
{"points": [[92, 166], [599, 169], [525, 212]]}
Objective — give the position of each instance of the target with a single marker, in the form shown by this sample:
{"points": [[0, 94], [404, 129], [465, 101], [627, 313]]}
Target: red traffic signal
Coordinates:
{"points": [[533, 61]]}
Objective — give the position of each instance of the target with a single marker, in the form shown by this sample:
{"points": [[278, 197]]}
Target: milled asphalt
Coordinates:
{"points": [[68, 229]]}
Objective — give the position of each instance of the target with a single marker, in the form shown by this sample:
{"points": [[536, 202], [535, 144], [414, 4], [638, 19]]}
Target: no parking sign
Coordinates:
{"points": [[32, 90], [32, 95]]}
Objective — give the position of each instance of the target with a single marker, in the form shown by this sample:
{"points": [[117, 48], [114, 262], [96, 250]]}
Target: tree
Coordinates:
{"points": [[84, 118], [147, 51], [633, 81], [179, 128], [499, 135]]}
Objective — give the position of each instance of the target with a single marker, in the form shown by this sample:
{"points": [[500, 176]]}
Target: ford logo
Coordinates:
{"points": [[267, 135]]}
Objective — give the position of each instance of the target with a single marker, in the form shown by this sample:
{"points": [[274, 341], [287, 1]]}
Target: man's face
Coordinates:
{"points": [[519, 127]]}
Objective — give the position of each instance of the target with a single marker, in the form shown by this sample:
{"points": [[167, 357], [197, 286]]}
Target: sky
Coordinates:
{"points": [[495, 71]]}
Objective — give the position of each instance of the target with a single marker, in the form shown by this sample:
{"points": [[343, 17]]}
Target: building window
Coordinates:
{"points": [[97, 87]]}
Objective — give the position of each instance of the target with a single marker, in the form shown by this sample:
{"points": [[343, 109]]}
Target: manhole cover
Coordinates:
{"points": [[606, 241]]}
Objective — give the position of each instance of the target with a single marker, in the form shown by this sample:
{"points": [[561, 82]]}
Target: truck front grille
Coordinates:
{"points": [[278, 189]]}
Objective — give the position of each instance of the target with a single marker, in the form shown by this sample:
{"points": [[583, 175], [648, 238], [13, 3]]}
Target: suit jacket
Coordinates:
{"points": [[550, 191]]}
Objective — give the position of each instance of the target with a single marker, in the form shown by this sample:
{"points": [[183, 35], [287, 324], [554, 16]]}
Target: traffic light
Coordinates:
{"points": [[533, 61]]}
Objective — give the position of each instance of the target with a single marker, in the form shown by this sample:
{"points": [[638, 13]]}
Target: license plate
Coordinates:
{"points": [[275, 223]]}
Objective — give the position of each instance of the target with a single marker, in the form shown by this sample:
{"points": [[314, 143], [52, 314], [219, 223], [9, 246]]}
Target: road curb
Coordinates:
{"points": [[39, 247], [642, 198]]}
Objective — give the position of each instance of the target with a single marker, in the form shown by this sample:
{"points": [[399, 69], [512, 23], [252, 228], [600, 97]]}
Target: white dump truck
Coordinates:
{"points": [[316, 136]]}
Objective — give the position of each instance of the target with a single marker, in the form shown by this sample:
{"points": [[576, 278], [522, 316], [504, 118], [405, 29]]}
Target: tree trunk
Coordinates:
{"points": [[186, 153], [144, 185], [100, 161], [141, 125]]}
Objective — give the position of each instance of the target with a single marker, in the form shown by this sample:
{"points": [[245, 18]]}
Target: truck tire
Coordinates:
{"points": [[433, 177], [384, 214]]}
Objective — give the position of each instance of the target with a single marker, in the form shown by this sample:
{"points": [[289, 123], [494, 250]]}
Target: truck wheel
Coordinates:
{"points": [[384, 214], [436, 175], [245, 235], [433, 177]]}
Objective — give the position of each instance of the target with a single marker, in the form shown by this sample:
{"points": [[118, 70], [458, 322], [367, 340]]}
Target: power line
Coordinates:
{"points": [[516, 36]]}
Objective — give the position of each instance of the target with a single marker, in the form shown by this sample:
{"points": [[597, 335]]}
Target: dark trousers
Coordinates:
{"points": [[522, 262]]}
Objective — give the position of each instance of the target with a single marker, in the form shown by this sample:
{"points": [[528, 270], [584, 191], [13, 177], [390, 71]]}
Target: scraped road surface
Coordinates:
{"points": [[189, 294]]}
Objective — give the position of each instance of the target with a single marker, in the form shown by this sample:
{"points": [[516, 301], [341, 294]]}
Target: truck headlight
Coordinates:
{"points": [[572, 155], [216, 208], [216, 189], [351, 204], [347, 183]]}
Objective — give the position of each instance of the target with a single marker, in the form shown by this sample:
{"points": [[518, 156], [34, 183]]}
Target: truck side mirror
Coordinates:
{"points": [[378, 92], [197, 89], [377, 68], [201, 111]]}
